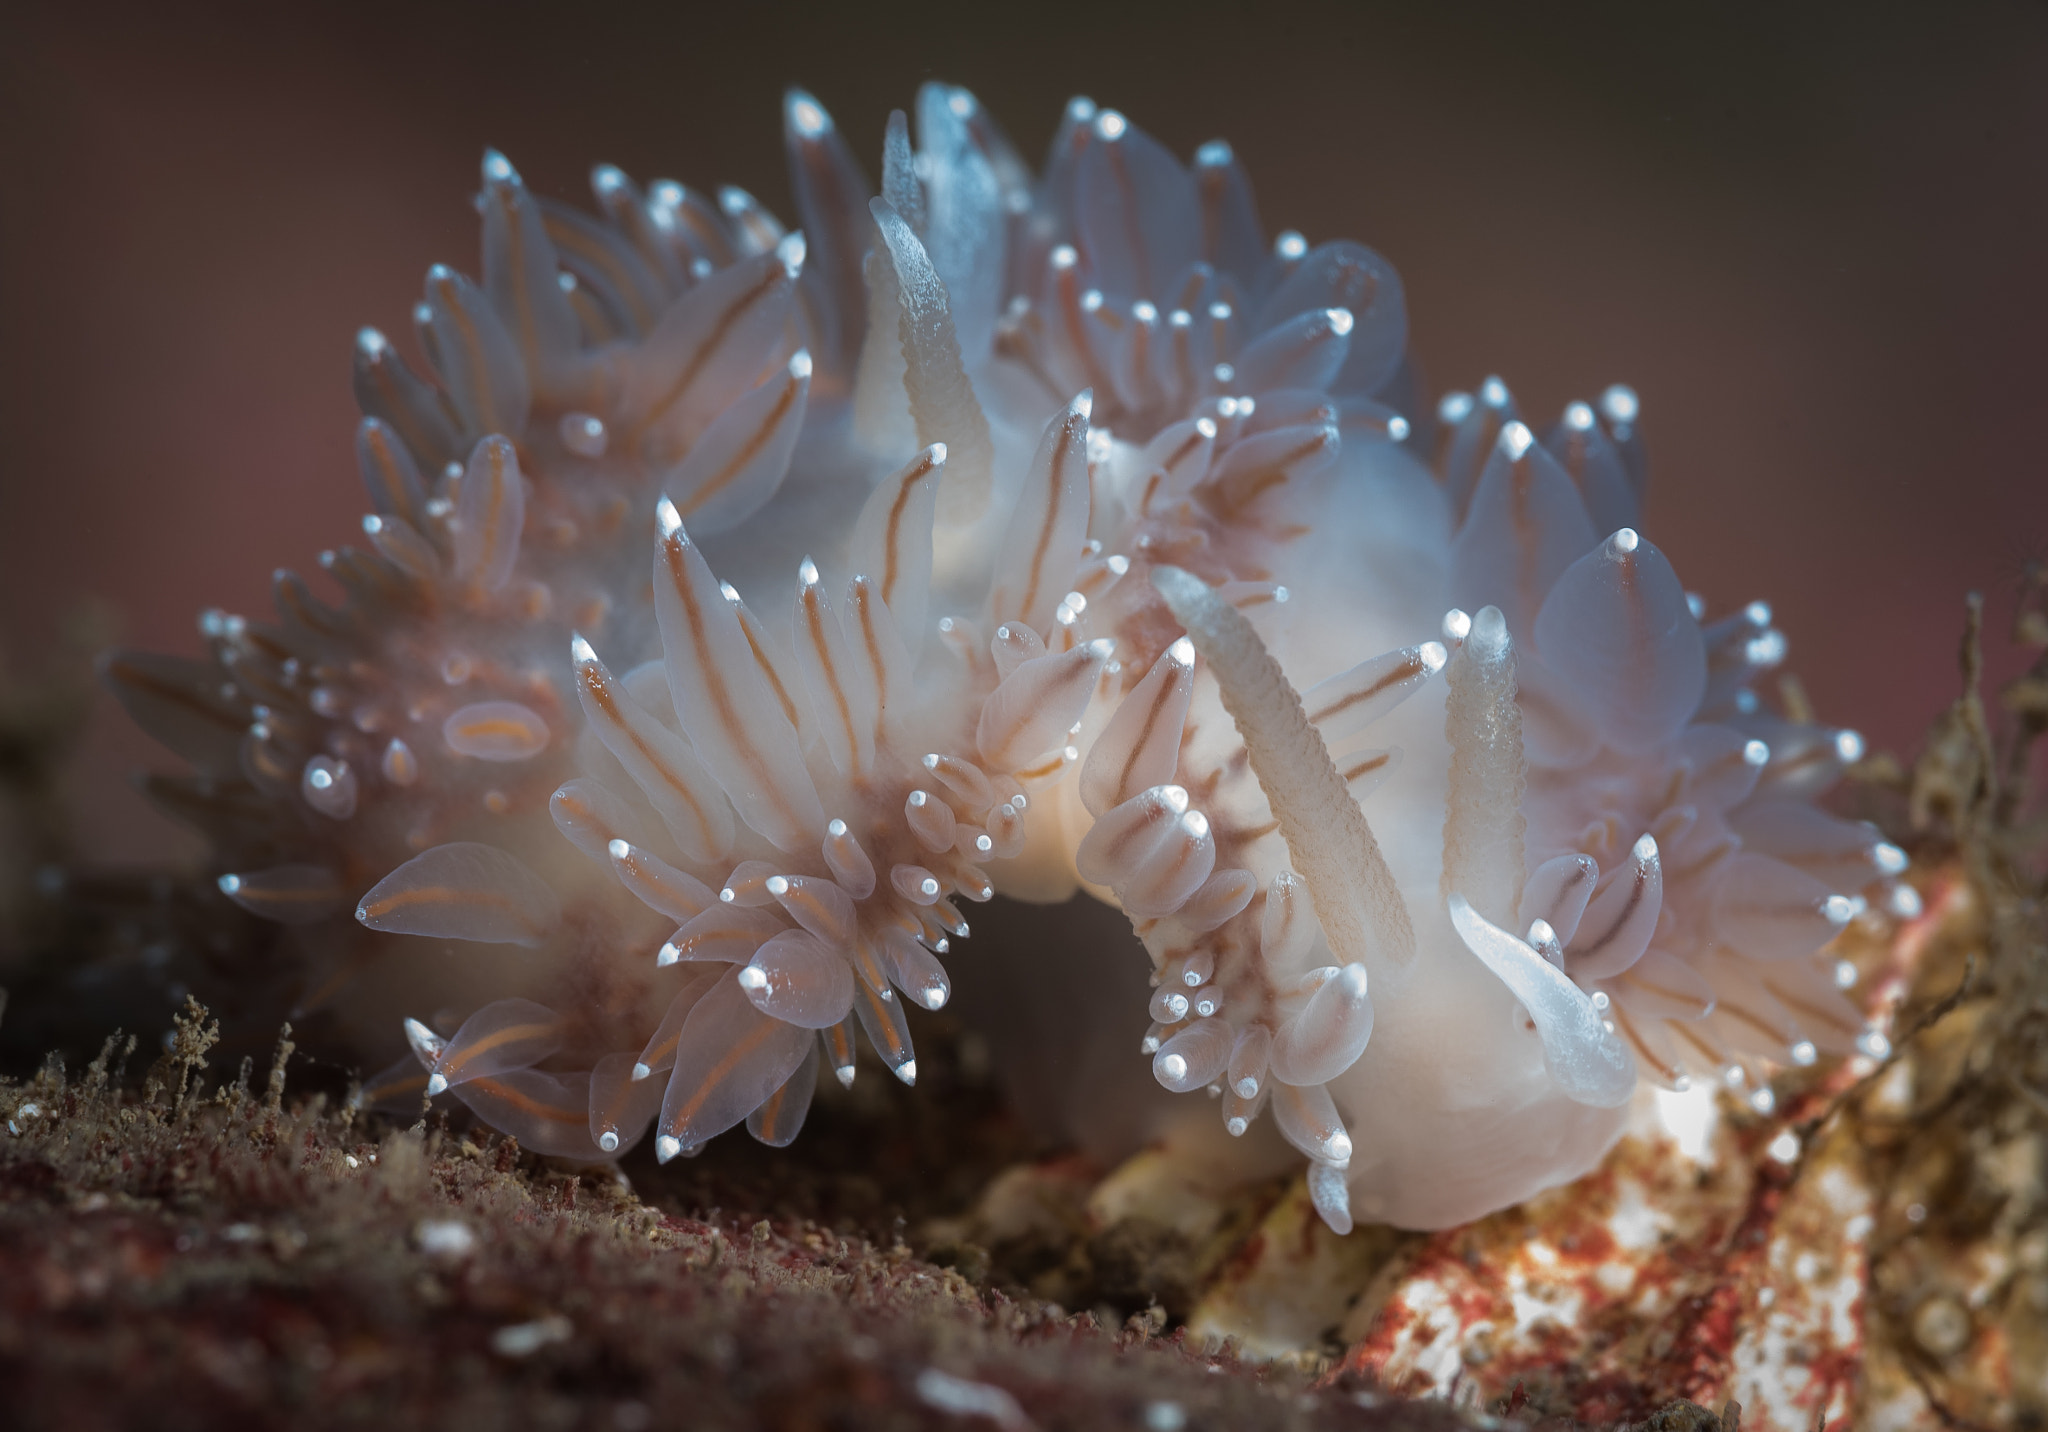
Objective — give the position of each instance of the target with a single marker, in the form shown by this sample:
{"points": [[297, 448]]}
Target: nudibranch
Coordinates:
{"points": [[740, 604]]}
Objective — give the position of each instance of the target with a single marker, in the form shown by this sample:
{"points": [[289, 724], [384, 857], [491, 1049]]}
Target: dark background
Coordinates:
{"points": [[1814, 237]]}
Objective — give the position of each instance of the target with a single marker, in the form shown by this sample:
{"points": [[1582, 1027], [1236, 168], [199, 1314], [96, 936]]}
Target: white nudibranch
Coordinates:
{"points": [[740, 601]]}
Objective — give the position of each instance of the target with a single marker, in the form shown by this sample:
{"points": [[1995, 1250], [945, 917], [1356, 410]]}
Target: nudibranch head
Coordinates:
{"points": [[739, 602]]}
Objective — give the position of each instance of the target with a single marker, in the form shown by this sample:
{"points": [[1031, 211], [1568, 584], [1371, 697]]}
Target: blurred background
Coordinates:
{"points": [[1812, 237]]}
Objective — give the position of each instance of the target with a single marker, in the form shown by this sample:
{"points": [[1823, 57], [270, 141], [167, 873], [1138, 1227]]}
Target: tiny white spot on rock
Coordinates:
{"points": [[443, 1237], [944, 1392], [526, 1339]]}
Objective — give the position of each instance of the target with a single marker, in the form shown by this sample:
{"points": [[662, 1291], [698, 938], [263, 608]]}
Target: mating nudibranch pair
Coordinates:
{"points": [[1101, 511]]}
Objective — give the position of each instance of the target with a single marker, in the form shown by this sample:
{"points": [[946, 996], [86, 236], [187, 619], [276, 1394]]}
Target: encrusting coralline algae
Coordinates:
{"points": [[1012, 534]]}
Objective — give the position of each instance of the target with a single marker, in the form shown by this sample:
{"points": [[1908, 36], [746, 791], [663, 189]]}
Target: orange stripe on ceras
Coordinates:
{"points": [[1639, 639], [1634, 980], [1246, 489], [1832, 1019], [275, 650], [412, 1083], [712, 679], [318, 996], [1290, 915], [568, 241], [741, 925], [595, 682], [708, 349], [396, 498], [522, 302], [1640, 881], [746, 1045], [890, 532], [1159, 705], [814, 622], [1151, 490], [1690, 1036], [598, 326], [895, 1051], [254, 679], [770, 1113], [712, 239], [1077, 329], [1159, 817], [872, 976], [496, 1039], [768, 670], [1369, 765], [295, 601], [173, 695], [527, 1104], [1181, 861], [664, 1050], [1671, 1073], [479, 371], [580, 809], [805, 896], [494, 512], [446, 894], [292, 896], [1140, 355], [871, 640], [1816, 754], [753, 221], [1749, 1017], [496, 726], [631, 863], [839, 1044], [1411, 667], [1180, 454], [385, 375], [1060, 456], [747, 453]]}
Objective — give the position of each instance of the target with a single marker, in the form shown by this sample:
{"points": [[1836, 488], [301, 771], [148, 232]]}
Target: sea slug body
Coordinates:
{"points": [[740, 605]]}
